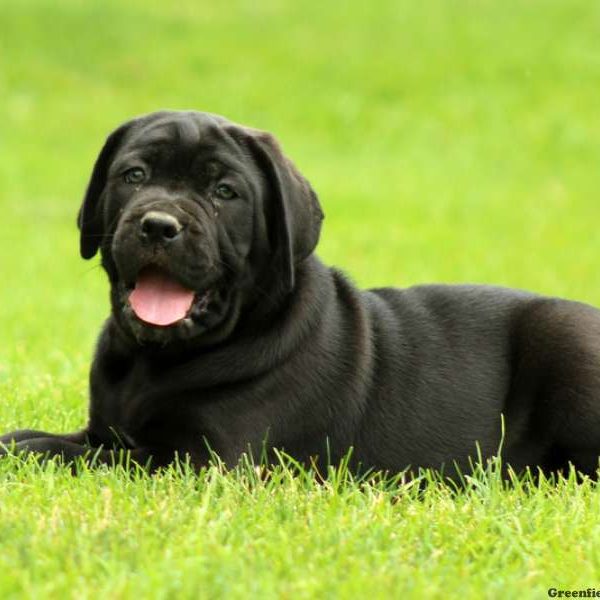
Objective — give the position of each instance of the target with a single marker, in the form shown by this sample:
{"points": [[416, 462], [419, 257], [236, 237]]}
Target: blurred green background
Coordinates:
{"points": [[451, 140]]}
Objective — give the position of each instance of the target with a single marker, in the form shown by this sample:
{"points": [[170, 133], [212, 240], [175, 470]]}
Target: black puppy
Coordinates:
{"points": [[227, 331]]}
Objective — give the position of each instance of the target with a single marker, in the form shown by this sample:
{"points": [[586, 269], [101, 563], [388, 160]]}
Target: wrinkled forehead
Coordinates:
{"points": [[183, 133]]}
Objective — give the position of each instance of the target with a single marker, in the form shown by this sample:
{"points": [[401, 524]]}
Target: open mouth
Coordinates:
{"points": [[158, 299]]}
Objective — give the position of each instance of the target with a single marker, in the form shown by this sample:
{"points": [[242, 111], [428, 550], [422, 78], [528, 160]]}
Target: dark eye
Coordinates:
{"points": [[135, 175], [225, 192]]}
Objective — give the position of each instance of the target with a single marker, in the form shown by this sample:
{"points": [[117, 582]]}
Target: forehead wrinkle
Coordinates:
{"points": [[205, 137], [156, 134], [165, 131], [187, 132]]}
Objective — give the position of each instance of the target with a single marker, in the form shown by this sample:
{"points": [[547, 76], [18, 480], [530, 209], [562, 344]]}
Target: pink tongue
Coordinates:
{"points": [[159, 300]]}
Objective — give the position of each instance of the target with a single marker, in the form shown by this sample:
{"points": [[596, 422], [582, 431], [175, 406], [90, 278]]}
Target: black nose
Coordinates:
{"points": [[158, 226]]}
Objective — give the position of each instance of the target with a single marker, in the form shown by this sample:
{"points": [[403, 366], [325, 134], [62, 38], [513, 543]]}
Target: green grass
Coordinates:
{"points": [[451, 140]]}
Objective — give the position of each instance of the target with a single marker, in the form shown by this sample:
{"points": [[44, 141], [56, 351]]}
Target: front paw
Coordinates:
{"points": [[14, 437], [46, 447]]}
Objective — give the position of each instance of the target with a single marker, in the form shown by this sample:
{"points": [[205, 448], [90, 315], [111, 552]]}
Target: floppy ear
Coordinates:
{"points": [[89, 219], [297, 212]]}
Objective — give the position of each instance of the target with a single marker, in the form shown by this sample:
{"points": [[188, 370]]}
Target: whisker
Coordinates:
{"points": [[91, 268]]}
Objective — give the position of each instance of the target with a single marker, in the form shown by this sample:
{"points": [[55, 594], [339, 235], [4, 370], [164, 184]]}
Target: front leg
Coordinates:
{"points": [[21, 440], [14, 437], [70, 452]]}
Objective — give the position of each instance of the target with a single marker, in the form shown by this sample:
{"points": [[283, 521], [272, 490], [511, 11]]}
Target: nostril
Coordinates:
{"points": [[147, 227], [159, 226], [162, 229], [169, 231]]}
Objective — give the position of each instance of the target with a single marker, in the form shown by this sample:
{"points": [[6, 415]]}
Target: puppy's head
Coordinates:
{"points": [[196, 218]]}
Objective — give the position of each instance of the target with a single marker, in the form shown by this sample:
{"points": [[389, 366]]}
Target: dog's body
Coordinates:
{"points": [[227, 332]]}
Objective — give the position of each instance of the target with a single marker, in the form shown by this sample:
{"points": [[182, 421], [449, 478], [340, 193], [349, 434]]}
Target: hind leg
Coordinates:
{"points": [[560, 369], [575, 421]]}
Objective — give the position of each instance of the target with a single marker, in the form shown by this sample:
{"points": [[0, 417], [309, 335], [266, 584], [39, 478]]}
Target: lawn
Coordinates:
{"points": [[448, 140]]}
